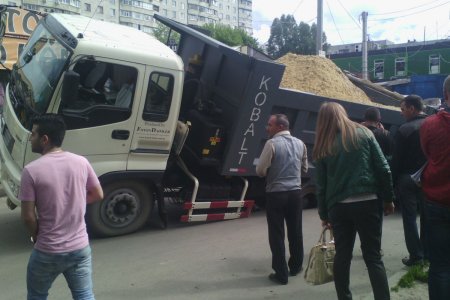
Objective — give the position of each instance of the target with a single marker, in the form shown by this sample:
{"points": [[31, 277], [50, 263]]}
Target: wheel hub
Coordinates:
{"points": [[122, 208]]}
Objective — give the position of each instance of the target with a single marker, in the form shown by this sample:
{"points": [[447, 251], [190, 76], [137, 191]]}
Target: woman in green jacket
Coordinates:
{"points": [[353, 180]]}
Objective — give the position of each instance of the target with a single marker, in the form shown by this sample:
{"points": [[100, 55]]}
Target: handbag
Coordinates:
{"points": [[321, 260], [418, 174]]}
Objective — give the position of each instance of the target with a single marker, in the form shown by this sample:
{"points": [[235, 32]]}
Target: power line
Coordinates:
{"points": [[407, 15], [349, 14], [311, 20], [332, 17], [295, 10], [404, 10]]}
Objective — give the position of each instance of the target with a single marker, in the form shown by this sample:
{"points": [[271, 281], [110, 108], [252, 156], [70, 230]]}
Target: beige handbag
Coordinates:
{"points": [[321, 259]]}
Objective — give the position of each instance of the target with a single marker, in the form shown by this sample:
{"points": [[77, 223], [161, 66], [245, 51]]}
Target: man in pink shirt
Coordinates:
{"points": [[54, 191]]}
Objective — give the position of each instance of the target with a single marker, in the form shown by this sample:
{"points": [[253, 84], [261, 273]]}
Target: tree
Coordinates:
{"points": [[230, 36], [283, 36], [286, 36], [161, 32]]}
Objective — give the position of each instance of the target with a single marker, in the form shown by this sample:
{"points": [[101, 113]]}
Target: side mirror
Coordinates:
{"points": [[69, 93]]}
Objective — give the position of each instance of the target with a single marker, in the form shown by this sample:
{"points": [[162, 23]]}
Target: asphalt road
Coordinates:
{"points": [[221, 260]]}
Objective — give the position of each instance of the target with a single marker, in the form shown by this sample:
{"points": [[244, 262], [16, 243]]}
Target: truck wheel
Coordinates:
{"points": [[125, 208]]}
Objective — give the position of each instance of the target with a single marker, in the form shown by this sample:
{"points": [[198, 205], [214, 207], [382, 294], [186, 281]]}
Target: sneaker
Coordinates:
{"points": [[274, 278], [412, 262]]}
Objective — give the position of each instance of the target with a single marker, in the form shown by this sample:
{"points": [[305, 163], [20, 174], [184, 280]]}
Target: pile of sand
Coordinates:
{"points": [[320, 76]]}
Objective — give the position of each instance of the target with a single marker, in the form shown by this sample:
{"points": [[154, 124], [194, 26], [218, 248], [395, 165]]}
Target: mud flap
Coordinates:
{"points": [[162, 212]]}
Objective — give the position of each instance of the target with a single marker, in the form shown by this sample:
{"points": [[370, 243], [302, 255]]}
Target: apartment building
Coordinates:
{"points": [[139, 13]]}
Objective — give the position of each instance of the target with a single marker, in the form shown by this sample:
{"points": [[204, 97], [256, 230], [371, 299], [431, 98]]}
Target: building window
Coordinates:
{"points": [[125, 13], [31, 6], [435, 63], [87, 7], [100, 10], [112, 12], [174, 3], [174, 14], [147, 29], [378, 69], [112, 1], [400, 66], [182, 5], [164, 12]]}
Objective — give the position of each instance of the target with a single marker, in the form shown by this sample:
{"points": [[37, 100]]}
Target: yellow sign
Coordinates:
{"points": [[20, 23], [214, 140]]}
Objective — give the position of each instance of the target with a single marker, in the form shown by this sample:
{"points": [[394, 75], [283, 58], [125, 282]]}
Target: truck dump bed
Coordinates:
{"points": [[244, 92]]}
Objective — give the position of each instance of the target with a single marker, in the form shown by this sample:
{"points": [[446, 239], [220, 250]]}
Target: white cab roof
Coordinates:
{"points": [[112, 38]]}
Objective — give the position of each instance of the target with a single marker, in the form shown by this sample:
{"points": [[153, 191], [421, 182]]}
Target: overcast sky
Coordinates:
{"points": [[394, 20]]}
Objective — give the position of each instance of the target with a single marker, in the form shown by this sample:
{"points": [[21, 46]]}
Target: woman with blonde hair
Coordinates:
{"points": [[351, 171]]}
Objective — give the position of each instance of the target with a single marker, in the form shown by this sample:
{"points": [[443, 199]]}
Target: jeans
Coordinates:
{"points": [[410, 196], [438, 240], [363, 218], [281, 206], [43, 268]]}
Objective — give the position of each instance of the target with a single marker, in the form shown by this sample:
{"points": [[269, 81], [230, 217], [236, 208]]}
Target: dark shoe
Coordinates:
{"points": [[274, 278], [294, 273], [412, 262]]}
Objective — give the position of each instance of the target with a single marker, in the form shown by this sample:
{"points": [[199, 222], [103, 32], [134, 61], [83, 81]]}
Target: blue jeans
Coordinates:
{"points": [[43, 268], [364, 218], [438, 239]]}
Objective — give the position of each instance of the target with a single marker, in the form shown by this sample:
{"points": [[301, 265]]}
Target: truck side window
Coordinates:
{"points": [[105, 94], [159, 97]]}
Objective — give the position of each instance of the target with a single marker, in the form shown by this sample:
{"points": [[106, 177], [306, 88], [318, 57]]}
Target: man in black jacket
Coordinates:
{"points": [[407, 159], [372, 120]]}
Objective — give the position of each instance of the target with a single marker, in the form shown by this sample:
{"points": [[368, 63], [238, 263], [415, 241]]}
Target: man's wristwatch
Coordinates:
{"points": [[32, 240]]}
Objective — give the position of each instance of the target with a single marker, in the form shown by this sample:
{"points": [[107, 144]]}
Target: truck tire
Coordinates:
{"points": [[125, 208]]}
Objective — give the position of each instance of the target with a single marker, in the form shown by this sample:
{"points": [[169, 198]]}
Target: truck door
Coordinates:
{"points": [[156, 120], [100, 120]]}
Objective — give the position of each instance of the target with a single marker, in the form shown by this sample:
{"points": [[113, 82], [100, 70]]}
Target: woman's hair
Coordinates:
{"points": [[332, 120]]}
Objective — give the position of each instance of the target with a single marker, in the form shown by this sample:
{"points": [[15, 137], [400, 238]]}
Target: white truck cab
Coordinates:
{"points": [[119, 92]]}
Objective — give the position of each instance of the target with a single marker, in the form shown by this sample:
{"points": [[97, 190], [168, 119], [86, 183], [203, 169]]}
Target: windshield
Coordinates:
{"points": [[37, 73]]}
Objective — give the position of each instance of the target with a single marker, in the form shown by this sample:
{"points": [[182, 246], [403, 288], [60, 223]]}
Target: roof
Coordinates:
{"points": [[112, 37]]}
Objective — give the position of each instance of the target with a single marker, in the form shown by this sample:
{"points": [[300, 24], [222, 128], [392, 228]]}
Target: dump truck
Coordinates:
{"points": [[152, 128]]}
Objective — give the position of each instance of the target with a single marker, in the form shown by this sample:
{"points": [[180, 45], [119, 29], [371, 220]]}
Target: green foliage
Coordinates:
{"points": [[224, 34], [161, 32], [230, 36], [415, 273], [288, 36]]}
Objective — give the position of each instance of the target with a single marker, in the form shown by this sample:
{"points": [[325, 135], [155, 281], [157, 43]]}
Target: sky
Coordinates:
{"points": [[395, 20]]}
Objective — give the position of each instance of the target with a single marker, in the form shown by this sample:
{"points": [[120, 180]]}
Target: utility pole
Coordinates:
{"points": [[365, 74], [319, 27]]}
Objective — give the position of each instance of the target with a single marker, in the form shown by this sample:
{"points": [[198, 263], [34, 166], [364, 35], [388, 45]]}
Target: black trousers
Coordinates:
{"points": [[364, 218], [411, 201], [281, 207]]}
